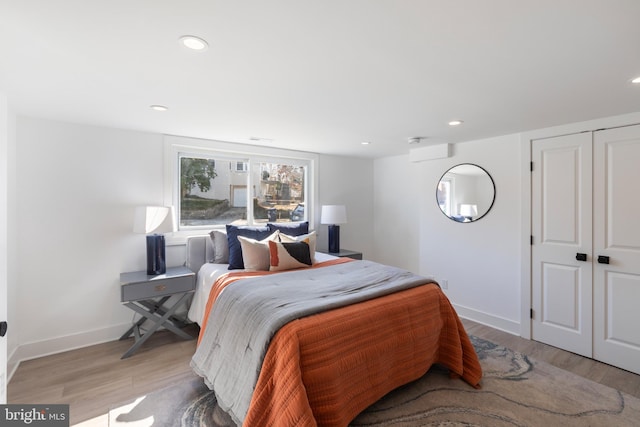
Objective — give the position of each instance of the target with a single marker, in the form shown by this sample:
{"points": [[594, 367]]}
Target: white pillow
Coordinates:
{"points": [[255, 253], [285, 238]]}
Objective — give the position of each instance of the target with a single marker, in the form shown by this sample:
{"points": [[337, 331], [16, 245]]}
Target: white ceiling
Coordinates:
{"points": [[323, 75]]}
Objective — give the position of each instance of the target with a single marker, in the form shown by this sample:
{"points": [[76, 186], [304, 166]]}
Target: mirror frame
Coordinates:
{"points": [[483, 214]]}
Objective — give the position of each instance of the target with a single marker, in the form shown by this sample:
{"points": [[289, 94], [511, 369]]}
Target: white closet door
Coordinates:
{"points": [[561, 226], [617, 236]]}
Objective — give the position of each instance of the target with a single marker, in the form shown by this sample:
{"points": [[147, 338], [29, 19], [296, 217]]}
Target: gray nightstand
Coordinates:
{"points": [[345, 253], [146, 295]]}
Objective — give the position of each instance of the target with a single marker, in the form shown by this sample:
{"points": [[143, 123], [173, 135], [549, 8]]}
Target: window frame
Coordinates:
{"points": [[244, 169], [449, 190], [176, 146]]}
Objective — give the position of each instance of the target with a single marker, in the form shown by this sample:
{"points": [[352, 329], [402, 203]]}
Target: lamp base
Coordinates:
{"points": [[334, 239], [156, 261]]}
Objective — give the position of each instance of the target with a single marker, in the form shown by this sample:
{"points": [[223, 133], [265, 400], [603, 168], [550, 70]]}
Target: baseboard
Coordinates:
{"points": [[12, 365], [487, 319], [33, 350]]}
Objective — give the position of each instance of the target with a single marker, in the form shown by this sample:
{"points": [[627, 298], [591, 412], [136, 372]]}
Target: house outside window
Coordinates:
{"points": [[211, 187], [212, 191]]}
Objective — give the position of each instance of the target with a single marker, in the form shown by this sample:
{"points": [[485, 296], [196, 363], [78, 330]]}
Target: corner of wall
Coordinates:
{"points": [[488, 319], [61, 344], [12, 364]]}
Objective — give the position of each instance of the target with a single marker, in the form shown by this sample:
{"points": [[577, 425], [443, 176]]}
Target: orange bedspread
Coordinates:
{"points": [[327, 368]]}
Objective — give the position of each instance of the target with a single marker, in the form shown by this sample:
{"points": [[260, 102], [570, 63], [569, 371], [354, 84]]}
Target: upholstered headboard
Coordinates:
{"points": [[199, 251]]}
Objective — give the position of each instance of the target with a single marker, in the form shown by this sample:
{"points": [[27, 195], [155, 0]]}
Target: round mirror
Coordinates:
{"points": [[465, 193]]}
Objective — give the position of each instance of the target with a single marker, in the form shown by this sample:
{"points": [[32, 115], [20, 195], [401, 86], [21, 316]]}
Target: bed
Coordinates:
{"points": [[326, 365]]}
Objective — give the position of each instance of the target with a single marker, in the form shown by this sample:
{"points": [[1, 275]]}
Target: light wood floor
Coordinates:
{"points": [[94, 379]]}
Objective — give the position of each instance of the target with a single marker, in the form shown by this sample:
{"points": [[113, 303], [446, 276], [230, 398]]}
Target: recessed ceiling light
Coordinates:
{"points": [[636, 80], [365, 143], [194, 43], [455, 122], [157, 107]]}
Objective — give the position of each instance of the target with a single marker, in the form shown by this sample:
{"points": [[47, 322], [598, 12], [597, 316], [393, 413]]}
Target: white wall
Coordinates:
{"points": [[398, 190], [347, 181], [77, 187], [479, 260]]}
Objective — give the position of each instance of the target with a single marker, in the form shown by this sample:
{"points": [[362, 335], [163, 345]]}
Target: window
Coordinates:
{"points": [[241, 167], [443, 195], [212, 191], [280, 193], [211, 187]]}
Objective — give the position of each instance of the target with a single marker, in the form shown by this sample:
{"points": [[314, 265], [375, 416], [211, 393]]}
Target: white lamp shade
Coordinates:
{"points": [[333, 214], [468, 210], [149, 219]]}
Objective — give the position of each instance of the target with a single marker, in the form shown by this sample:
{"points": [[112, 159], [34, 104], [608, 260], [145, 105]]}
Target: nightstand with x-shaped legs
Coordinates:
{"points": [[147, 296]]}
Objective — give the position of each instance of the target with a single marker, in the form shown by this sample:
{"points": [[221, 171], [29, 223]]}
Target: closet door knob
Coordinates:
{"points": [[603, 259], [581, 257]]}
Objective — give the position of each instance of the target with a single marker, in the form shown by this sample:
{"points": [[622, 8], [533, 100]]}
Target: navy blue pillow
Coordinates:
{"points": [[290, 228], [235, 250]]}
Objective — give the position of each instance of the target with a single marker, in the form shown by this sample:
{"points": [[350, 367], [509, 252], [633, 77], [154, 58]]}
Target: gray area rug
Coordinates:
{"points": [[516, 391]]}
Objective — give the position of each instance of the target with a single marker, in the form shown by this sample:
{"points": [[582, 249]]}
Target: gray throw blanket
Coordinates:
{"points": [[249, 312]]}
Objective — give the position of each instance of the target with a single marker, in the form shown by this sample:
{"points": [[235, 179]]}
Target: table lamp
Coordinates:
{"points": [[334, 215], [154, 219], [468, 211]]}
